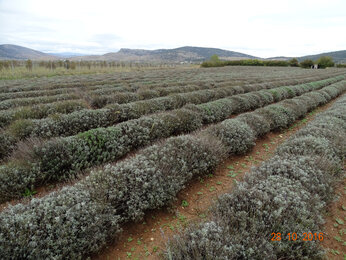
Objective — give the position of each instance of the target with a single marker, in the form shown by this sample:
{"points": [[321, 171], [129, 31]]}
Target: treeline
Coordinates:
{"points": [[69, 65], [322, 63], [249, 62]]}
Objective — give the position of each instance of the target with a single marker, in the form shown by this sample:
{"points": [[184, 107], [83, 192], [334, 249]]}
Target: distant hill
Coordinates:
{"points": [[15, 52], [279, 58], [66, 54], [338, 56], [182, 54]]}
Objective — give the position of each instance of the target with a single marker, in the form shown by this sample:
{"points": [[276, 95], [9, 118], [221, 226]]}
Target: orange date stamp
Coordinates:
{"points": [[306, 236]]}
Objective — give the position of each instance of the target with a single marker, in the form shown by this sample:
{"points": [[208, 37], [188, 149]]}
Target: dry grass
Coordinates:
{"points": [[22, 72]]}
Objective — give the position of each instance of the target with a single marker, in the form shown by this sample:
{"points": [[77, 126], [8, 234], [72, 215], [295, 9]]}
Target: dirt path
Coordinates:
{"points": [[146, 239], [334, 231]]}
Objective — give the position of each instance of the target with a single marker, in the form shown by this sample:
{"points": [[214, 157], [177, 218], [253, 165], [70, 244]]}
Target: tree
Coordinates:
{"points": [[306, 64], [67, 64], [293, 62], [214, 58], [28, 65], [72, 65], [325, 61]]}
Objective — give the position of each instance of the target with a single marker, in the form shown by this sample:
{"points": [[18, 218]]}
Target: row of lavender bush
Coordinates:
{"points": [[286, 194], [34, 110], [63, 158], [48, 127], [83, 120], [81, 219], [79, 121], [99, 95], [95, 95]]}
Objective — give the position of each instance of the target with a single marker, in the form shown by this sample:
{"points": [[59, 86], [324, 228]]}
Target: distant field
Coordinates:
{"points": [[20, 71], [82, 155]]}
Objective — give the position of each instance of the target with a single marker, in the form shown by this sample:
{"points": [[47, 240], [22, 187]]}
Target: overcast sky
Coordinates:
{"points": [[262, 28]]}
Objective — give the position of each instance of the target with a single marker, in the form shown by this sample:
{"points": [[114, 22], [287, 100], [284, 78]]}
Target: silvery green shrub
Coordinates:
{"points": [[309, 101], [259, 98], [308, 170], [254, 100], [21, 129], [207, 241], [15, 179], [299, 107], [64, 158], [325, 94], [243, 221], [257, 122], [332, 91], [27, 94], [216, 111], [62, 225], [279, 94], [337, 138], [117, 97], [335, 117], [310, 145], [70, 124], [188, 121], [6, 116], [40, 111], [79, 121], [153, 177], [54, 156], [288, 192], [266, 97], [11, 103], [318, 97], [241, 104], [259, 210], [278, 116], [234, 134], [7, 144]]}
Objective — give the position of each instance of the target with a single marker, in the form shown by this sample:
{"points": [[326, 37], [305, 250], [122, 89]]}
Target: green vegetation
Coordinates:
{"points": [[293, 62], [306, 64], [184, 203], [325, 62], [247, 62], [214, 58]]}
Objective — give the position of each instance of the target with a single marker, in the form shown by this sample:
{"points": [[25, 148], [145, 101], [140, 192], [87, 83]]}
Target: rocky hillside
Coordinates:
{"points": [[15, 52]]}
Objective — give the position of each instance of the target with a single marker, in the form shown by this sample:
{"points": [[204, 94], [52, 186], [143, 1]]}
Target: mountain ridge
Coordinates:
{"points": [[16, 52], [175, 55], [338, 56], [181, 54]]}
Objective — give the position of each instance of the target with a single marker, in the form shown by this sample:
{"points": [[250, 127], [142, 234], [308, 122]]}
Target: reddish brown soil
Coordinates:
{"points": [[334, 231], [145, 240]]}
